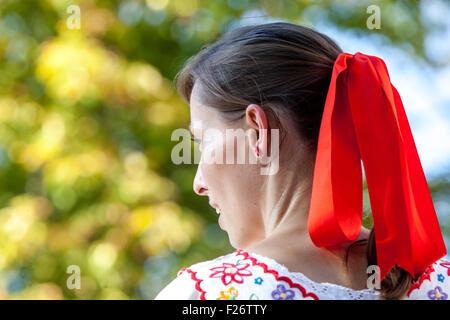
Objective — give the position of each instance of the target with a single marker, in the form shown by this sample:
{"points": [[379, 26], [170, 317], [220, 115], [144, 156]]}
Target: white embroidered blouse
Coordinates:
{"points": [[241, 275]]}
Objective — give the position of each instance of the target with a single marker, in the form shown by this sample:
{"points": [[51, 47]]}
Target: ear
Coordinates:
{"points": [[256, 120]]}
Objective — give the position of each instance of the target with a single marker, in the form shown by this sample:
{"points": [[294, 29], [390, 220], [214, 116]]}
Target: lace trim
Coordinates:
{"points": [[325, 288], [430, 285], [275, 273]]}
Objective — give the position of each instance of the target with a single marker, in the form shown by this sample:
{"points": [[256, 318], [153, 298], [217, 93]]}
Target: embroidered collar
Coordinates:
{"points": [[252, 276]]}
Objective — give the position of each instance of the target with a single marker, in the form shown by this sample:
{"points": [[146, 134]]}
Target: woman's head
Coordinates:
{"points": [[269, 76]]}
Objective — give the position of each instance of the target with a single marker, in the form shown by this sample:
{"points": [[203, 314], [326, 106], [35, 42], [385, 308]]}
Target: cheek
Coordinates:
{"points": [[211, 174], [236, 150], [233, 185], [234, 178]]}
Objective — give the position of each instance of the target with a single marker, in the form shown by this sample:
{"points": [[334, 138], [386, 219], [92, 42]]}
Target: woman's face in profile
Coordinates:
{"points": [[231, 186]]}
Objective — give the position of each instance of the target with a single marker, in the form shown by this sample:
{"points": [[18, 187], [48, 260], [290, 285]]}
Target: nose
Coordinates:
{"points": [[199, 185]]}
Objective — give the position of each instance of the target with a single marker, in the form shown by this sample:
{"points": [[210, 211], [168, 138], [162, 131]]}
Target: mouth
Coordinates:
{"points": [[215, 206], [218, 211]]}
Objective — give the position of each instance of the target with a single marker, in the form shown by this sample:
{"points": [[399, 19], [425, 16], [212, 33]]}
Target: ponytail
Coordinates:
{"points": [[397, 282]]}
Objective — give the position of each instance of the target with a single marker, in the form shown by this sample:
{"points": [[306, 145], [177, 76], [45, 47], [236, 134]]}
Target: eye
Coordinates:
{"points": [[195, 140], [198, 142]]}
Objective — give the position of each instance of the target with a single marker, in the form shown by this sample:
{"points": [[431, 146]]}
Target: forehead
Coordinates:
{"points": [[201, 114]]}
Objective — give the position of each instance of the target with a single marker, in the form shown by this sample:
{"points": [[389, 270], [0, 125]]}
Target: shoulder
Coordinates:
{"points": [[186, 286], [236, 276], [433, 284], [181, 288]]}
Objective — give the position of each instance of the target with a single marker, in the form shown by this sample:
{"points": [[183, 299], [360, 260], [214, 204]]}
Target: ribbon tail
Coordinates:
{"points": [[425, 234], [407, 230], [364, 119]]}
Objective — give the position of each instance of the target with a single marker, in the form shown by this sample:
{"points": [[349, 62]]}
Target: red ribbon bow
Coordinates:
{"points": [[364, 119]]}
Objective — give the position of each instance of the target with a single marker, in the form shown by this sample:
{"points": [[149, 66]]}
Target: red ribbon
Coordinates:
{"points": [[364, 119]]}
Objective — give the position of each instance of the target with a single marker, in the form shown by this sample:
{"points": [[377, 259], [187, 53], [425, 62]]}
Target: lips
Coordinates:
{"points": [[215, 206]]}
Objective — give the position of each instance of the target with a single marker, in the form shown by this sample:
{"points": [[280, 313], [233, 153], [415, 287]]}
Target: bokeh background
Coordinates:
{"points": [[86, 117]]}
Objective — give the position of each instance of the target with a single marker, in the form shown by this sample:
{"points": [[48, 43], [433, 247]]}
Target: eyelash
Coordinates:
{"points": [[195, 140]]}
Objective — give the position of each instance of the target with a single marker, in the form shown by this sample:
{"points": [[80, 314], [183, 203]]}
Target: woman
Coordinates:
{"points": [[298, 230]]}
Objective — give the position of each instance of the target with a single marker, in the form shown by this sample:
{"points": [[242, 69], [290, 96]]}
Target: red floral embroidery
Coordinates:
{"points": [[229, 272], [276, 275], [446, 265], [221, 273], [426, 275]]}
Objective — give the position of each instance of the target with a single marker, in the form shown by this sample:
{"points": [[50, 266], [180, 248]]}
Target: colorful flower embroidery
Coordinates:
{"points": [[274, 273], [238, 266], [446, 265], [230, 294], [229, 272], [426, 275], [281, 293], [437, 294]]}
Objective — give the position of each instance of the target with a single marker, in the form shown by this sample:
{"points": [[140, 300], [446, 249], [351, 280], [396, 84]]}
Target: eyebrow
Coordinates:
{"points": [[191, 131], [192, 134]]}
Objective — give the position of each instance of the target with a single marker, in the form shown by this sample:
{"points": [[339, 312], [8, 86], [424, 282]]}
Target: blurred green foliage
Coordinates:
{"points": [[85, 122]]}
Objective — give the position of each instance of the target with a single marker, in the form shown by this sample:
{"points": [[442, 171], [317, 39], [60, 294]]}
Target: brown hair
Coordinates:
{"points": [[397, 282], [282, 67]]}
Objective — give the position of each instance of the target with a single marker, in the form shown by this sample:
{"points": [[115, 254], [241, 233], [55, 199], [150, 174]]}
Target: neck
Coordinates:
{"points": [[285, 205], [286, 227], [288, 210]]}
